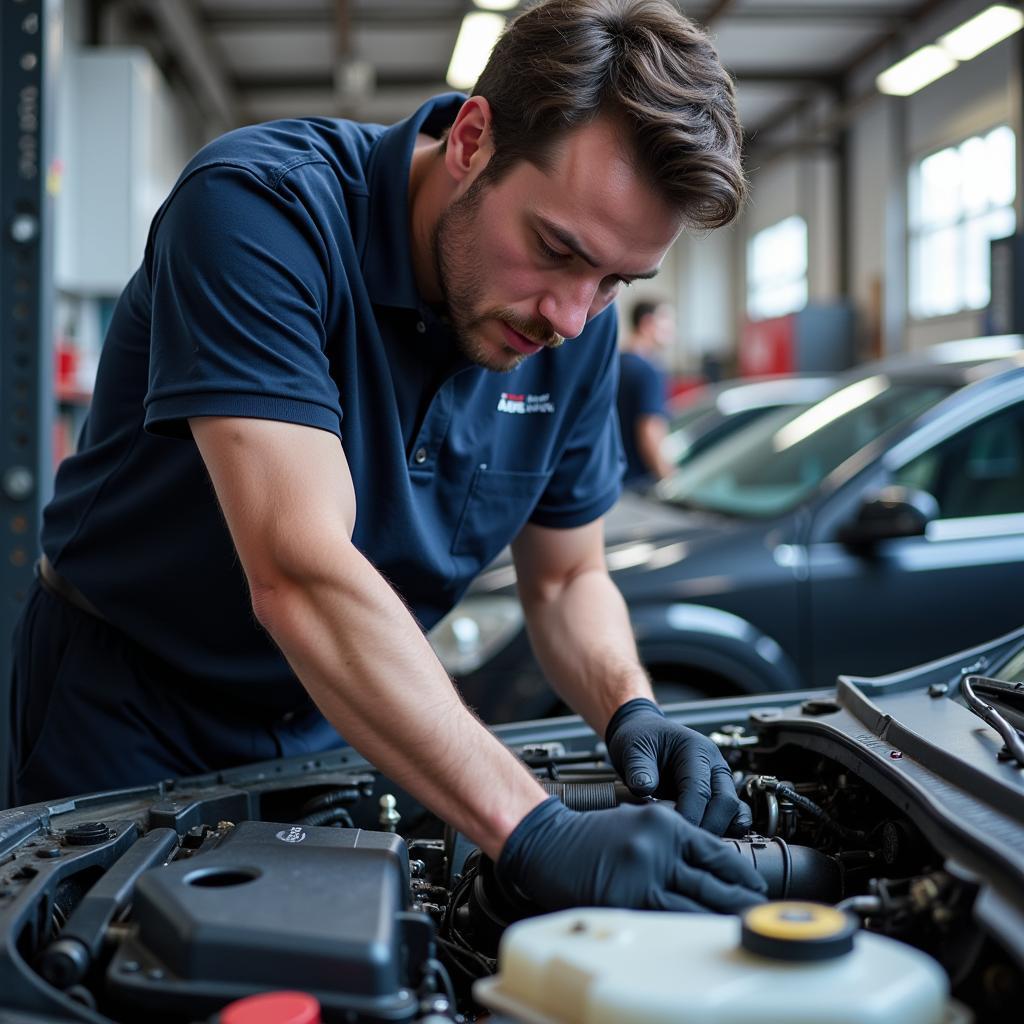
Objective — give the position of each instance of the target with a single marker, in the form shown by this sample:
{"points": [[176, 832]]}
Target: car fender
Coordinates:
{"points": [[695, 636]]}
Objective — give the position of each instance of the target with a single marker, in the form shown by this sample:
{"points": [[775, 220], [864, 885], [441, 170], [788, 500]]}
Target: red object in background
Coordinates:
{"points": [[681, 384], [272, 1008], [67, 366], [768, 346]]}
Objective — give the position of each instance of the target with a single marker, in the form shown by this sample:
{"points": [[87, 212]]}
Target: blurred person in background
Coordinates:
{"points": [[643, 416]]}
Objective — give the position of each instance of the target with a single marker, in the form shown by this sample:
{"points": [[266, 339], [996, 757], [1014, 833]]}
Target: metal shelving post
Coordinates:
{"points": [[30, 45]]}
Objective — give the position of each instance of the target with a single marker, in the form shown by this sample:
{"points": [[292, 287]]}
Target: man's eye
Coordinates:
{"points": [[546, 250]]}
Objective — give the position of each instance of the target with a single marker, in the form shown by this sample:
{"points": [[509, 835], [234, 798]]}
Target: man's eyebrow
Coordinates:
{"points": [[573, 244]]}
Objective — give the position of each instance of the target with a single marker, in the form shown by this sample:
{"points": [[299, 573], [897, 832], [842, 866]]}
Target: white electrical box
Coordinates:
{"points": [[120, 147]]}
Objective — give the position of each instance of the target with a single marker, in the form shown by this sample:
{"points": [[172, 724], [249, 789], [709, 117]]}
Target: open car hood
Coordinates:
{"points": [[886, 797]]}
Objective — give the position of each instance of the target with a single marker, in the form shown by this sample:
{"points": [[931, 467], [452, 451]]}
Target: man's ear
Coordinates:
{"points": [[470, 142]]}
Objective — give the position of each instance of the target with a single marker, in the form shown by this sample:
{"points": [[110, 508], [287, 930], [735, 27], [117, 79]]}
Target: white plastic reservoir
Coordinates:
{"points": [[613, 966]]}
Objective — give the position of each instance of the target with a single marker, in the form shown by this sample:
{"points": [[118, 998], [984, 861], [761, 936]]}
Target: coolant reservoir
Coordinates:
{"points": [[596, 966]]}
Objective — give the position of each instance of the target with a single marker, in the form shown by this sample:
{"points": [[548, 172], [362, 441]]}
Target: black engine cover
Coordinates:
{"points": [[278, 906]]}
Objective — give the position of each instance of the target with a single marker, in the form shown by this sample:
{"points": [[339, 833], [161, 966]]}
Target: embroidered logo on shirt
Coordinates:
{"points": [[524, 403]]}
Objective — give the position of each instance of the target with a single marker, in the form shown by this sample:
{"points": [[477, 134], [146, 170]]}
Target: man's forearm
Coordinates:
{"points": [[650, 438], [357, 650], [583, 639]]}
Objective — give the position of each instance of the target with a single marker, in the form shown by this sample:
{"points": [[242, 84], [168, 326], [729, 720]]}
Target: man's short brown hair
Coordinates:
{"points": [[563, 63]]}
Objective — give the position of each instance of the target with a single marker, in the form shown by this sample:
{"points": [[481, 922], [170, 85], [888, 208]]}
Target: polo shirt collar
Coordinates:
{"points": [[387, 256]]}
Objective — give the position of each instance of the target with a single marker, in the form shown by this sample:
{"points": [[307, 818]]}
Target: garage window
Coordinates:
{"points": [[777, 269], [960, 198]]}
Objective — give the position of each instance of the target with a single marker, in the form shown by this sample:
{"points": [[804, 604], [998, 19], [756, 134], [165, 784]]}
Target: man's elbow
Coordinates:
{"points": [[539, 594], [286, 573]]}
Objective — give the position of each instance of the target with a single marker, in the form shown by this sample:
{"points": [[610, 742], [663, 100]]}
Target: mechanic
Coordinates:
{"points": [[642, 389], [355, 335]]}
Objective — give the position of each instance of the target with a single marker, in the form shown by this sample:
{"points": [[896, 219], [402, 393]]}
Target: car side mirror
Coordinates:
{"points": [[891, 513]]}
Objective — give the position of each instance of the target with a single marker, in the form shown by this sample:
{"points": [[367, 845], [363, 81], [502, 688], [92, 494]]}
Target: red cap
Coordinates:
{"points": [[273, 1008]]}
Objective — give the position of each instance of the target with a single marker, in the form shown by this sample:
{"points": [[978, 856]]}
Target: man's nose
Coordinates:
{"points": [[566, 307]]}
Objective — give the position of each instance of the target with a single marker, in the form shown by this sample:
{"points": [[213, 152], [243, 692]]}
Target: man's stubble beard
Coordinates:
{"points": [[461, 288]]}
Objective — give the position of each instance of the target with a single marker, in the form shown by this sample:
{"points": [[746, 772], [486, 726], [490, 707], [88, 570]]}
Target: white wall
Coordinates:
{"points": [[804, 182], [697, 277], [707, 290]]}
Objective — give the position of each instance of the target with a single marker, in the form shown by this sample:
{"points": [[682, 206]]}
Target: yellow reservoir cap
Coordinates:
{"points": [[795, 930]]}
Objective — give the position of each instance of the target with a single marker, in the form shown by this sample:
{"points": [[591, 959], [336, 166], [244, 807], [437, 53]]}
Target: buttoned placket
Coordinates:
{"points": [[431, 435]]}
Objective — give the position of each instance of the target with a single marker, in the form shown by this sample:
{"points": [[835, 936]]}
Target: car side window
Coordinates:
{"points": [[978, 472]]}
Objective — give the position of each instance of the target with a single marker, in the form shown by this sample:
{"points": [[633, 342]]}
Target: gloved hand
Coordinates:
{"points": [[656, 757], [641, 857]]}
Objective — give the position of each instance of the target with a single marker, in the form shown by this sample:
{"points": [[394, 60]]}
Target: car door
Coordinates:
{"points": [[911, 599]]}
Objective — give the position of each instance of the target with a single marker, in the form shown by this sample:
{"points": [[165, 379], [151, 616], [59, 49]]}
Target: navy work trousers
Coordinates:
{"points": [[92, 710]]}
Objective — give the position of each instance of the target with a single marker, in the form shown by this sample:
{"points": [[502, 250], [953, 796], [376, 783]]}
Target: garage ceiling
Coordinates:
{"points": [[252, 60]]}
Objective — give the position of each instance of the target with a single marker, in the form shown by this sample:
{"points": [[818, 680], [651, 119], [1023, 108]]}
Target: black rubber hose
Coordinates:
{"points": [[584, 796], [328, 816], [345, 797], [808, 805], [792, 872]]}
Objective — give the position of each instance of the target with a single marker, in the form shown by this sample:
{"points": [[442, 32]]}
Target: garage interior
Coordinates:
{"points": [[882, 142]]}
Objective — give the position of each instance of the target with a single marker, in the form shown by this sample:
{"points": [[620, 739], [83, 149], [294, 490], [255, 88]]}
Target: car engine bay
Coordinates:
{"points": [[166, 903]]}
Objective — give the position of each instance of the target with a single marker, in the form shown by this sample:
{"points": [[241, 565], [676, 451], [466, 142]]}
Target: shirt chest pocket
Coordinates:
{"points": [[498, 504]]}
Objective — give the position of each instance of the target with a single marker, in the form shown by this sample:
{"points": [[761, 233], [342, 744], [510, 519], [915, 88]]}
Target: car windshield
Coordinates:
{"points": [[691, 413], [777, 461], [1013, 670]]}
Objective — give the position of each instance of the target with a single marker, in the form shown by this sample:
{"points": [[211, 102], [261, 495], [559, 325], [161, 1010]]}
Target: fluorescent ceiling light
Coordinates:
{"points": [[992, 26], [496, 5], [477, 36], [912, 73]]}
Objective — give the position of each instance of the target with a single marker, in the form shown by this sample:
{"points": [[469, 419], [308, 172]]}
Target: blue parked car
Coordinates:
{"points": [[880, 526]]}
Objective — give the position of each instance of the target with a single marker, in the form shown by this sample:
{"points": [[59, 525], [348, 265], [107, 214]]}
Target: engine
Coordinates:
{"points": [[329, 880]]}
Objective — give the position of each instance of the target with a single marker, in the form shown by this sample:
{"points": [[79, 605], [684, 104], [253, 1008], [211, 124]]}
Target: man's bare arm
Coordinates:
{"points": [[577, 620], [650, 435], [288, 499]]}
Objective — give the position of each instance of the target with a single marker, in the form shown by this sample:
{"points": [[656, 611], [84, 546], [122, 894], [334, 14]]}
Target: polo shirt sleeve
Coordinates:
{"points": [[239, 289], [587, 480], [650, 391]]}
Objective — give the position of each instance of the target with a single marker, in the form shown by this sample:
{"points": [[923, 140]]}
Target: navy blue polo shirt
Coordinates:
{"points": [[278, 283]]}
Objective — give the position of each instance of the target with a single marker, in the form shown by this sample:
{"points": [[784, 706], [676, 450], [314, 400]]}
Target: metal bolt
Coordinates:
{"points": [[19, 483], [896, 755], [30, 24], [131, 966], [28, 61], [24, 228], [938, 690], [155, 974], [389, 816]]}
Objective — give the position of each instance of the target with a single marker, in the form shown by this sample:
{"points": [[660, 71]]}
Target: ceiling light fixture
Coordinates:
{"points": [[912, 73], [974, 36], [477, 36], [983, 31]]}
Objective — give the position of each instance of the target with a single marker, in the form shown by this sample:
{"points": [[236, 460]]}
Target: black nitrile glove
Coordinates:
{"points": [[656, 757], [640, 857]]}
